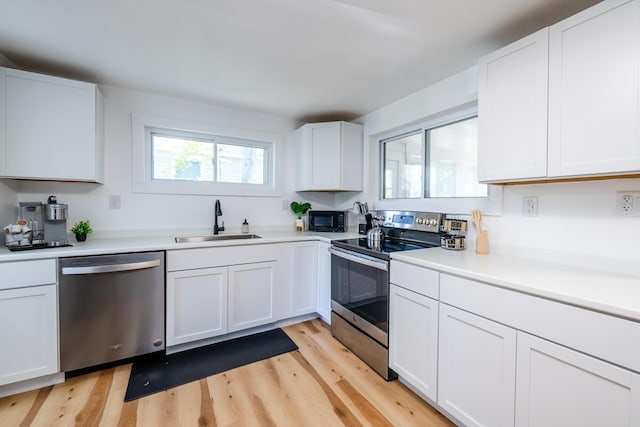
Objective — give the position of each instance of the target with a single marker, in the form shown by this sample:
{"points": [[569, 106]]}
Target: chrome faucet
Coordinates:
{"points": [[217, 211]]}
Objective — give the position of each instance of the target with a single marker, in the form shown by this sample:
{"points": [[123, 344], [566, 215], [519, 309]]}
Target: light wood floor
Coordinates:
{"points": [[321, 384]]}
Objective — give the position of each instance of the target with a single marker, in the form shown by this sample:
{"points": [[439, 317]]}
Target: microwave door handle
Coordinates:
{"points": [[370, 262]]}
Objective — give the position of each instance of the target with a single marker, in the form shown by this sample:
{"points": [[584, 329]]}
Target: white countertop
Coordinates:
{"points": [[99, 246], [606, 292]]}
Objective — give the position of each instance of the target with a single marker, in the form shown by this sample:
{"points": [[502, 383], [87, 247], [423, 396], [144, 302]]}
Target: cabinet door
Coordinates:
{"points": [[330, 157], [594, 104], [324, 282], [320, 156], [251, 295], [196, 305], [512, 111], [561, 387], [413, 339], [476, 372], [304, 278], [28, 333], [48, 127]]}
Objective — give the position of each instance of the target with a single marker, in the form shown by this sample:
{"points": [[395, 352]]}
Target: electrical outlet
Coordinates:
{"points": [[530, 206], [628, 203], [285, 205]]}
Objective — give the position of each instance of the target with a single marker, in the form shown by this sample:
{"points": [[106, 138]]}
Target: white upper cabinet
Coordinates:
{"points": [[512, 107], [565, 101], [329, 157], [594, 105], [50, 128]]}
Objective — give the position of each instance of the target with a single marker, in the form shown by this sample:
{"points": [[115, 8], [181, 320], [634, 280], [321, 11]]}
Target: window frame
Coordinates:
{"points": [[423, 130], [142, 162], [492, 204], [383, 155], [215, 140]]}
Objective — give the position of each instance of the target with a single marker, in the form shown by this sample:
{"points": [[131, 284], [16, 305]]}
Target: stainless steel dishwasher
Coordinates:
{"points": [[111, 308]]}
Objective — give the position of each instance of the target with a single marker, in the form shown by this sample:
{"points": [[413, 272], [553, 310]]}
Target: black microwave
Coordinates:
{"points": [[328, 221]]}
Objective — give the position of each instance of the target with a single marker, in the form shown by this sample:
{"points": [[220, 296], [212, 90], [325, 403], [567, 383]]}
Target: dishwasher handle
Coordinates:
{"points": [[110, 268]]}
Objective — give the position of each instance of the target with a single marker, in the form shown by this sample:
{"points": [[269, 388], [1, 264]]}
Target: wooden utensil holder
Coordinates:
{"points": [[482, 243]]}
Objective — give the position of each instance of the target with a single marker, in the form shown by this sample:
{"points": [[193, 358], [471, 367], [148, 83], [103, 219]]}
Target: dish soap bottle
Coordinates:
{"points": [[245, 226]]}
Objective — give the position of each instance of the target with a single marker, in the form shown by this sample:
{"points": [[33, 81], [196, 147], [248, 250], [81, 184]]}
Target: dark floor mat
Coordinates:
{"points": [[156, 374]]}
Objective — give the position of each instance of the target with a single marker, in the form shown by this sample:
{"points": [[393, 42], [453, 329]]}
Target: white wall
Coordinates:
{"points": [[576, 220], [444, 100], [164, 212]]}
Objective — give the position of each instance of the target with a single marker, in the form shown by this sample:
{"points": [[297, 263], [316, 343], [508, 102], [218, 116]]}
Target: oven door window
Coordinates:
{"points": [[361, 289]]}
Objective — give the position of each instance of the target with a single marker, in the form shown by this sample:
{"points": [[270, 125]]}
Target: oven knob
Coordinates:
{"points": [[433, 222], [419, 221]]}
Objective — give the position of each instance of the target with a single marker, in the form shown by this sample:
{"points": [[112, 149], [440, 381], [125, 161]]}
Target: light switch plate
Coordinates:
{"points": [[115, 202]]}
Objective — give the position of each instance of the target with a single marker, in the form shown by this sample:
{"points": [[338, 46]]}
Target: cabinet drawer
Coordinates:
{"points": [[415, 278], [608, 337], [188, 259], [20, 274]]}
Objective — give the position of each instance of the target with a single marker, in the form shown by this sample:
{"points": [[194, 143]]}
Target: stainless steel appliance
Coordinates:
{"points": [[328, 221], [360, 283], [55, 223], [111, 308]]}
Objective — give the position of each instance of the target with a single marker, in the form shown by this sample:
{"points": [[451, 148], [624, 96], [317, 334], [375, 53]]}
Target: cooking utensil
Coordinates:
{"points": [[375, 236], [455, 243], [476, 216], [454, 226], [482, 241]]}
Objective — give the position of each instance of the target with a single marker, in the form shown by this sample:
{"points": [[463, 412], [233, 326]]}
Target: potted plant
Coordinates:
{"points": [[300, 208], [81, 229]]}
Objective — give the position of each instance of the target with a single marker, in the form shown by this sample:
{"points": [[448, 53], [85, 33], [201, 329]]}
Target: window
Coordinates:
{"points": [[403, 166], [206, 158], [430, 162], [174, 156]]}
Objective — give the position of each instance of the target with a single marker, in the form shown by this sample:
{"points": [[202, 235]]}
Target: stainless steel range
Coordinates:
{"points": [[360, 283]]}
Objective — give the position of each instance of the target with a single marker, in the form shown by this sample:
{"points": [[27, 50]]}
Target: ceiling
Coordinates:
{"points": [[305, 59]]}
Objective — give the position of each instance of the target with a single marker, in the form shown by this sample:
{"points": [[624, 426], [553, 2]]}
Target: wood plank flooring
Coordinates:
{"points": [[321, 384]]}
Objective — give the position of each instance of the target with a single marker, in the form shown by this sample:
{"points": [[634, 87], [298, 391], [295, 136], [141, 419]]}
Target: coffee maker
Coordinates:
{"points": [[32, 214], [55, 223]]}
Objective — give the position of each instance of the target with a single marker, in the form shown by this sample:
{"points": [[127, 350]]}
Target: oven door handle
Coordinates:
{"points": [[360, 259]]}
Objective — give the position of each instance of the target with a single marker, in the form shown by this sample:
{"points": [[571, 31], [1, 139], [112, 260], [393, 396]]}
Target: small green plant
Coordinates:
{"points": [[82, 227], [300, 208]]}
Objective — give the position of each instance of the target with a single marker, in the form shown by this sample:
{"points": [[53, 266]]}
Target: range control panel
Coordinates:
{"points": [[422, 221]]}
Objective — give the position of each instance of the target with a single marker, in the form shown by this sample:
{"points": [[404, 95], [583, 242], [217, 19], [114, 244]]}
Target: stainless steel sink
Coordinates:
{"points": [[216, 237]]}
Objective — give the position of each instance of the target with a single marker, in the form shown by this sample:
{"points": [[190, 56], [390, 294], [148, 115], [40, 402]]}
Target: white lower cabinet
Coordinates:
{"points": [[557, 386], [413, 339], [304, 277], [196, 304], [28, 333], [323, 305], [476, 372], [251, 299], [215, 291]]}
